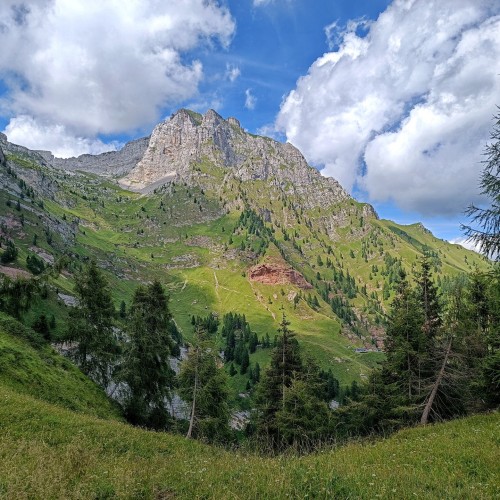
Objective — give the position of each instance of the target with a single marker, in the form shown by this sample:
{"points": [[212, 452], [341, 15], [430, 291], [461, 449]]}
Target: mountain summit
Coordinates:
{"points": [[187, 139]]}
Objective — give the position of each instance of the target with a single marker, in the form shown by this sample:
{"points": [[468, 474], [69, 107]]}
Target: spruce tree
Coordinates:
{"points": [[91, 325], [487, 232], [41, 325], [245, 361], [271, 394], [146, 369]]}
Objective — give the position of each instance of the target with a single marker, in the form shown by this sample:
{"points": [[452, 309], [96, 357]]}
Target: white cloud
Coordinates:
{"points": [[250, 99], [269, 130], [94, 66], [259, 3], [27, 131], [466, 244], [232, 72], [414, 99]]}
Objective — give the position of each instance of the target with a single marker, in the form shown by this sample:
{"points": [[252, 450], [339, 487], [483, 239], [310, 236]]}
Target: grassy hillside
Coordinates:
{"points": [[28, 366], [49, 452], [192, 239]]}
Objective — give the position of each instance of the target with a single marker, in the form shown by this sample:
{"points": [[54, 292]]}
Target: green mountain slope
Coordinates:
{"points": [[224, 219], [49, 452], [29, 366]]}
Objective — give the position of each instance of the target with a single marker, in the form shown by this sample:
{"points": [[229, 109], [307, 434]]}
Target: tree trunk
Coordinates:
{"points": [[283, 375], [430, 402], [193, 406]]}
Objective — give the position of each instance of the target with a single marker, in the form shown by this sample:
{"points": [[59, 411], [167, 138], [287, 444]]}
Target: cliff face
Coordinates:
{"points": [[183, 145], [188, 139]]}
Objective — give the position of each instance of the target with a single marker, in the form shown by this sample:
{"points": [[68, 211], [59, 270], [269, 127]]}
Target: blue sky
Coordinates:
{"points": [[395, 99]]}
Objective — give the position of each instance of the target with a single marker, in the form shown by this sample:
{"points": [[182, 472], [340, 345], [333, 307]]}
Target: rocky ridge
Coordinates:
{"points": [[181, 147], [109, 164], [188, 139]]}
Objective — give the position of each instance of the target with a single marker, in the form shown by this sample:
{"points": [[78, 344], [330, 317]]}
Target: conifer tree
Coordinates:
{"points": [[146, 368], [204, 386], [487, 234], [245, 361], [285, 362], [91, 325]]}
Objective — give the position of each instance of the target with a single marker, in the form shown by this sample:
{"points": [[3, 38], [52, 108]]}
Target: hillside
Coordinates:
{"points": [[228, 221], [29, 366], [50, 452]]}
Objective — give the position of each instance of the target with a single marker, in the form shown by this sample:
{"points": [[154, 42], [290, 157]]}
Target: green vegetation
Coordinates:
{"points": [[91, 325], [200, 242], [227, 259], [204, 387], [145, 364], [29, 366], [49, 452], [487, 235]]}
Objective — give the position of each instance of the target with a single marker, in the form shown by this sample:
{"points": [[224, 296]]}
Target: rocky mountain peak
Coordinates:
{"points": [[187, 139]]}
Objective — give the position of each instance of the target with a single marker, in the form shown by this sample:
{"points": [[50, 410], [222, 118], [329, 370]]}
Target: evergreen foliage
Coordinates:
{"points": [[10, 253], [91, 325], [16, 295], [442, 356], [35, 264], [145, 368], [204, 386], [290, 398], [488, 219]]}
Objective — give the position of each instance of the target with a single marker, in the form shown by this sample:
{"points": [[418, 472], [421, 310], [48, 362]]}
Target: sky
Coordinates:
{"points": [[395, 99]]}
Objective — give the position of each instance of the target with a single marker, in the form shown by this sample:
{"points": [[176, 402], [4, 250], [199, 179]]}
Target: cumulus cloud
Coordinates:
{"points": [[466, 244], [250, 99], [403, 105], [104, 67], [27, 131]]}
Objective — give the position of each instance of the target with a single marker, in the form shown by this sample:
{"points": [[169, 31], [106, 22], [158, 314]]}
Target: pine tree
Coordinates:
{"points": [[146, 369], [304, 419], [123, 310], [10, 253], [41, 325], [204, 386], [91, 325], [487, 236], [245, 361], [16, 295], [271, 394]]}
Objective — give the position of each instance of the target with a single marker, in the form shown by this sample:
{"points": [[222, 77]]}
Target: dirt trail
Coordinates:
{"points": [[259, 297], [216, 284]]}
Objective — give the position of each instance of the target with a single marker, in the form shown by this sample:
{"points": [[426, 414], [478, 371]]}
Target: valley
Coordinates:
{"points": [[233, 206]]}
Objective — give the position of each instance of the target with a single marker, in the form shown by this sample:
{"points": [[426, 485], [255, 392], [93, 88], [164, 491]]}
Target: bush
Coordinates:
{"points": [[10, 253]]}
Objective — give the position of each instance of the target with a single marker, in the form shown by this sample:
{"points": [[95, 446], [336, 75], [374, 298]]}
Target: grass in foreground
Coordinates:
{"points": [[29, 366], [49, 452]]}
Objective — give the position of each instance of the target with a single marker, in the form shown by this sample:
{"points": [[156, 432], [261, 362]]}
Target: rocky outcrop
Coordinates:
{"points": [[2, 157], [110, 164], [277, 274], [188, 139]]}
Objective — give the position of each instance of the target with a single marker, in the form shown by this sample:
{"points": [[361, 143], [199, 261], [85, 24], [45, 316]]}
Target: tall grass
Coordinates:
{"points": [[49, 452]]}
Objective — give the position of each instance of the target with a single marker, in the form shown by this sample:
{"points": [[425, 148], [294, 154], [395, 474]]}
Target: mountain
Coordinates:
{"points": [[229, 221]]}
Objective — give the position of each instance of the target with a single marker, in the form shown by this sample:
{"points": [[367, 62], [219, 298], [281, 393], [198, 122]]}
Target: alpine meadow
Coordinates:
{"points": [[199, 308]]}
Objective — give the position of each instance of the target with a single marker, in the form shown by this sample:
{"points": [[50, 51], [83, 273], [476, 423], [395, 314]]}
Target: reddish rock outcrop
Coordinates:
{"points": [[277, 274]]}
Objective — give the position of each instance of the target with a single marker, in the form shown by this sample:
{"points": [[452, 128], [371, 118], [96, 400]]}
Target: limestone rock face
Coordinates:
{"points": [[2, 157], [188, 139]]}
